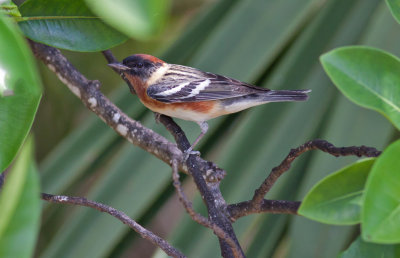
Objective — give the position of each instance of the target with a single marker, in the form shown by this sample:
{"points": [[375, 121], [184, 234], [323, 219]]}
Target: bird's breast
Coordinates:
{"points": [[191, 111]]}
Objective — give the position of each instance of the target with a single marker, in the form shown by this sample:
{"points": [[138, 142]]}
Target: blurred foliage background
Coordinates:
{"points": [[274, 44]]}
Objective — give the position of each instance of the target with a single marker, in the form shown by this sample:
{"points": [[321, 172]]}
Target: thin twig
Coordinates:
{"points": [[145, 233], [109, 56], [185, 201], [198, 217], [294, 153]]}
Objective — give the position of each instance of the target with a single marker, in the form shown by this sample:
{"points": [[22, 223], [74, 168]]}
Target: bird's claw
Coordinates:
{"points": [[189, 152]]}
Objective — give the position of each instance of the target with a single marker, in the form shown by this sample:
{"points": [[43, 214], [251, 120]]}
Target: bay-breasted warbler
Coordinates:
{"points": [[190, 94]]}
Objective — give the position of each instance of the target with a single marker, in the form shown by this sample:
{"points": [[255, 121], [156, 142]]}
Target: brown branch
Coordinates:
{"points": [[242, 209], [109, 56], [198, 217], [209, 191], [111, 59], [121, 216], [88, 92], [322, 145], [185, 201]]}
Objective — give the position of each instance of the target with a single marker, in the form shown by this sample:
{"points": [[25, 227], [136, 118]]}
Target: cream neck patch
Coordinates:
{"points": [[158, 74]]}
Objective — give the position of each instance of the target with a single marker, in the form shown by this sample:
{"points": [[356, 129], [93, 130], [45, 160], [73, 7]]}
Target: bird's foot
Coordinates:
{"points": [[189, 152]]}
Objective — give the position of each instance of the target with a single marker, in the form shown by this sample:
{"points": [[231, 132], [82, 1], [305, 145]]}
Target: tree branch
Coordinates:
{"points": [[109, 56], [210, 192], [121, 216], [242, 209], [88, 92], [322, 145], [185, 201], [237, 252], [111, 59]]}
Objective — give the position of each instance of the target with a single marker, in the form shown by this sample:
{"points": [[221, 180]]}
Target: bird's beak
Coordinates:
{"points": [[119, 67]]}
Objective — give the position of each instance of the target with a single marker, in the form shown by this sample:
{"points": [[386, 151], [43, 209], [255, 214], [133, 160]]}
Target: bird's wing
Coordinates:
{"points": [[186, 84]]}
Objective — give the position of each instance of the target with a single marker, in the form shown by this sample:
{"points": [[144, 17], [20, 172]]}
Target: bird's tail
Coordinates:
{"points": [[285, 95]]}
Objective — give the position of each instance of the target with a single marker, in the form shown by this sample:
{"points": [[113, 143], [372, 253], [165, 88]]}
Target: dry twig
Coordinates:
{"points": [[317, 144], [242, 209], [146, 234]]}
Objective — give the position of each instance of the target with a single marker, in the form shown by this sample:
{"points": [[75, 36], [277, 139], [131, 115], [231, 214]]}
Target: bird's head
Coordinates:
{"points": [[139, 65]]}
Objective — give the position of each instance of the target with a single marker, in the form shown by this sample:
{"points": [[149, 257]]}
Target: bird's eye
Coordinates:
{"points": [[133, 65], [139, 65]]}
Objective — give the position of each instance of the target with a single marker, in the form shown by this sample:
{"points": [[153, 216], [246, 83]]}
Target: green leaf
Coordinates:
{"points": [[336, 199], [359, 248], [136, 18], [394, 7], [67, 24], [20, 91], [381, 210], [20, 207], [8, 7], [367, 76]]}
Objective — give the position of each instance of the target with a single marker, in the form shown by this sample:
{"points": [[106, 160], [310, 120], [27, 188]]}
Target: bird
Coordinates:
{"points": [[191, 94]]}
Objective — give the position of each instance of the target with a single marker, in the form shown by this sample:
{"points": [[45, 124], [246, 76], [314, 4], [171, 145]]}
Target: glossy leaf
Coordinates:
{"points": [[394, 6], [20, 91], [381, 211], [20, 207], [136, 18], [336, 199], [367, 76], [359, 248], [8, 7], [67, 24]]}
